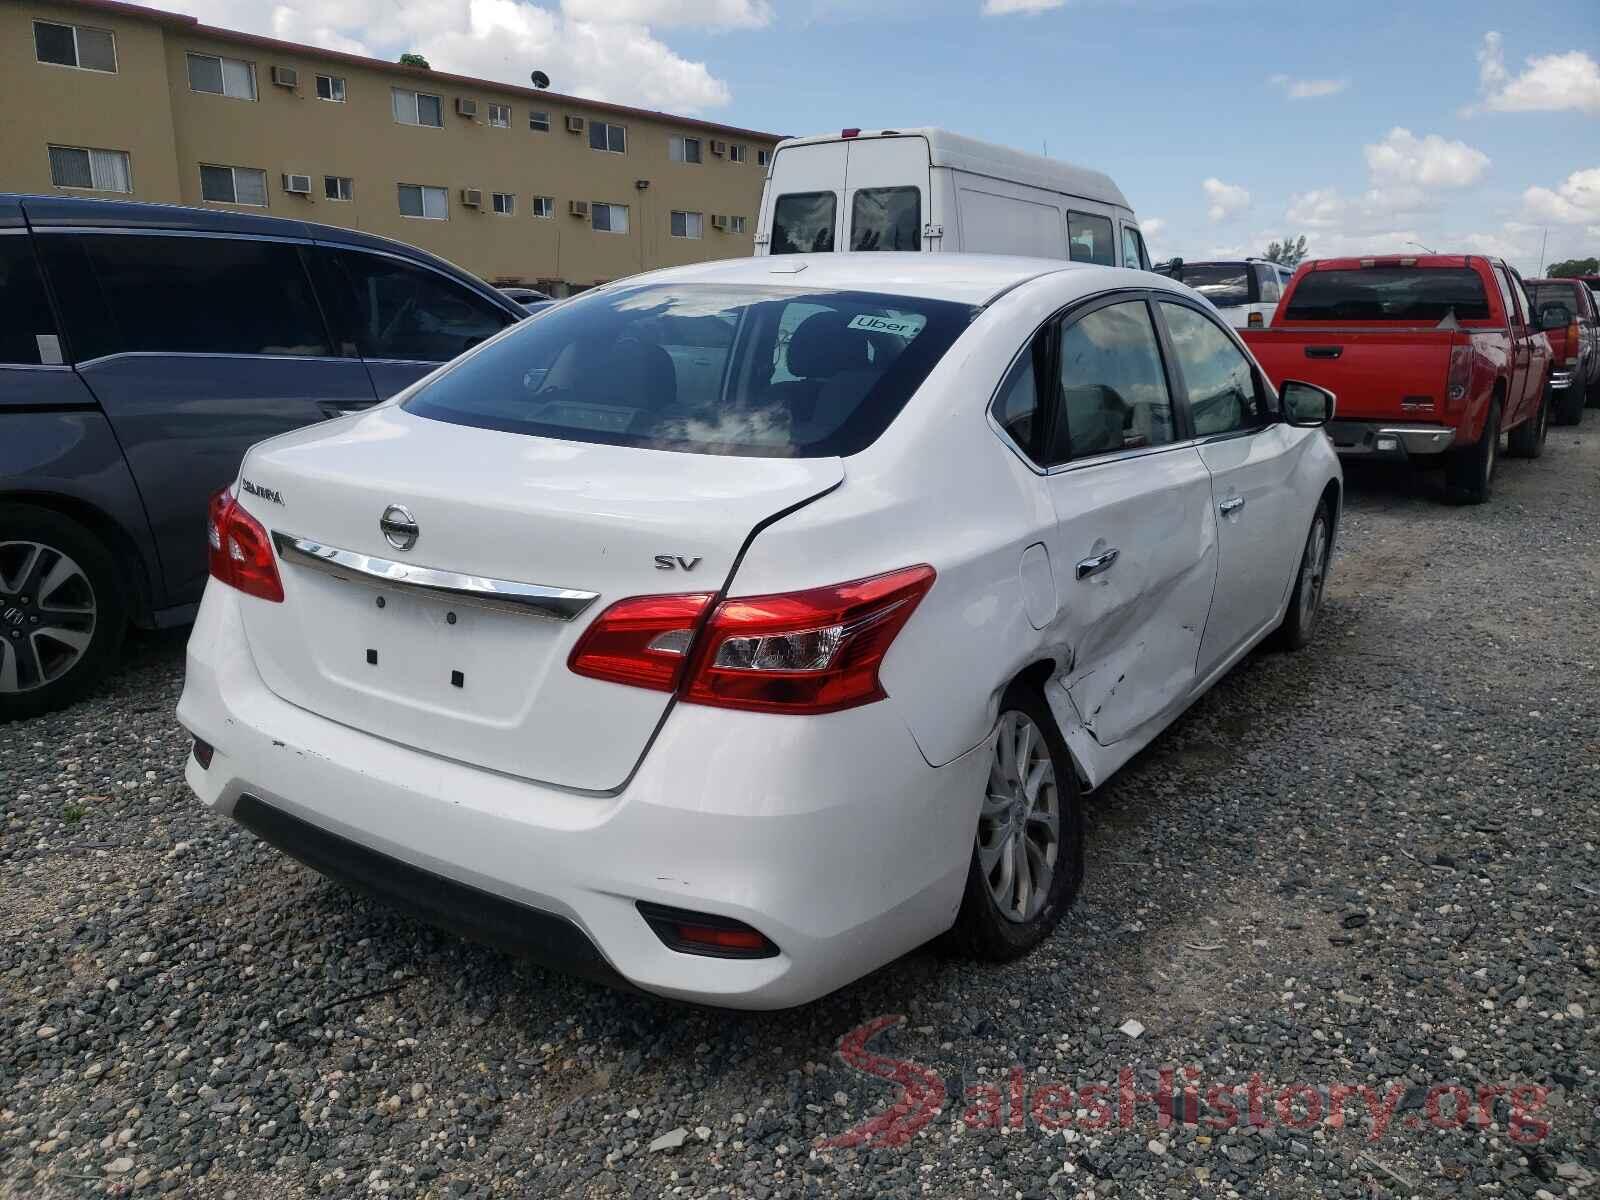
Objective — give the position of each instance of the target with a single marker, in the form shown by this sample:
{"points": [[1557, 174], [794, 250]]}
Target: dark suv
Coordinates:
{"points": [[143, 349]]}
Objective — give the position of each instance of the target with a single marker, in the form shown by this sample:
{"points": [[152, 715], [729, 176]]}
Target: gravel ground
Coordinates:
{"points": [[1369, 863]]}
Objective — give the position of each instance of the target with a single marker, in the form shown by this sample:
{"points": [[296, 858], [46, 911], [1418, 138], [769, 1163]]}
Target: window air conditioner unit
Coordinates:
{"points": [[574, 124], [297, 185], [578, 208], [718, 222], [466, 107], [472, 197], [719, 147], [286, 77]]}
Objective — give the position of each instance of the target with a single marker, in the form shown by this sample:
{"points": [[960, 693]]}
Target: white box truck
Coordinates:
{"points": [[928, 190]]}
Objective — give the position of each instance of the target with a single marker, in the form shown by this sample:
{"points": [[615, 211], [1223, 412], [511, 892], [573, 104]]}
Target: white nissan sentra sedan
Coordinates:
{"points": [[729, 631]]}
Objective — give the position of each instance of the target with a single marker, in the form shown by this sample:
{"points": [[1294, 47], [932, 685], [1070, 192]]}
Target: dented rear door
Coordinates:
{"points": [[1136, 561]]}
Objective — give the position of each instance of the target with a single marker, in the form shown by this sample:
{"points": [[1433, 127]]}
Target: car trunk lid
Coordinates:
{"points": [[441, 645]]}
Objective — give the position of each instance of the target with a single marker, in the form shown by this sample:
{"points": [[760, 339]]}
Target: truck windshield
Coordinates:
{"points": [[1226, 285], [803, 222], [707, 369], [1389, 294]]}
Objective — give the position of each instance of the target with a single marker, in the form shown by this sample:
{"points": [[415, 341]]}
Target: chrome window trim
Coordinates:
{"points": [[5, 366], [500, 595], [161, 231], [306, 358]]}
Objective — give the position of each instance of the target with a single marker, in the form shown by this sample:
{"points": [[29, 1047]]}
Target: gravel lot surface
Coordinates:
{"points": [[1373, 862]]}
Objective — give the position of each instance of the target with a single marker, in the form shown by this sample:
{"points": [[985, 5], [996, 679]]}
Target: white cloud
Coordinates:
{"points": [[1152, 227], [1402, 160], [1575, 202], [1224, 200], [1550, 83], [1320, 208], [1000, 8], [1308, 89], [613, 56]]}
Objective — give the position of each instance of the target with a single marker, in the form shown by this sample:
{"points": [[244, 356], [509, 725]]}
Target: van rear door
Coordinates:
{"points": [[886, 193], [800, 209]]}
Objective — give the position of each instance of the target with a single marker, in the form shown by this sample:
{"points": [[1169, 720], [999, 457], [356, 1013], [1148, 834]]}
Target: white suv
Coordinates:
{"points": [[729, 631]]}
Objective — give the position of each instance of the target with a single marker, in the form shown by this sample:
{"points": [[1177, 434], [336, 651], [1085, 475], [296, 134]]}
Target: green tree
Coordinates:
{"points": [[410, 59], [1573, 267], [1288, 252]]}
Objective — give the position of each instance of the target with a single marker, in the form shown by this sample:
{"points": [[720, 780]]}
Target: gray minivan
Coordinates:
{"points": [[143, 349]]}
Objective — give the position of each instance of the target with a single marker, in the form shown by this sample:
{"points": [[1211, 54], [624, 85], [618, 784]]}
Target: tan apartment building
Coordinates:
{"points": [[515, 184]]}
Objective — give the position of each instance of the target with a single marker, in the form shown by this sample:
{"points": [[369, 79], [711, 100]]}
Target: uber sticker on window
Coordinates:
{"points": [[907, 326]]}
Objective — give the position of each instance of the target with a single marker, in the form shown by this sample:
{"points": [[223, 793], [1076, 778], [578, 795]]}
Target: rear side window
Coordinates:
{"points": [[886, 219], [803, 222], [28, 330], [183, 295], [1267, 280], [1089, 239], [766, 372], [1113, 389], [1389, 294], [392, 309]]}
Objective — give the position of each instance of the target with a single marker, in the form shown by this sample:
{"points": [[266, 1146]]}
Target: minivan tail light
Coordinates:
{"points": [[240, 552], [643, 641]]}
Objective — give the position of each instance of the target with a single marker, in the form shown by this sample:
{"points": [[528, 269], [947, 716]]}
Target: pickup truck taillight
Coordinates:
{"points": [[1459, 381], [1572, 344]]}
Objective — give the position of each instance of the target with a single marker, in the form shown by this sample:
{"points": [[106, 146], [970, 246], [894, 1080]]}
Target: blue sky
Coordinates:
{"points": [[1462, 125]]}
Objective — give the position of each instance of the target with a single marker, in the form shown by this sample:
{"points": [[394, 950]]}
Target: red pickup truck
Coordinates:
{"points": [[1432, 358], [1566, 310]]}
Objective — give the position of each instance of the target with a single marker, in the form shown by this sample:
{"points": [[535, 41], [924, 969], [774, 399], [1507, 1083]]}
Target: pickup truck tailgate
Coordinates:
{"points": [[1377, 374]]}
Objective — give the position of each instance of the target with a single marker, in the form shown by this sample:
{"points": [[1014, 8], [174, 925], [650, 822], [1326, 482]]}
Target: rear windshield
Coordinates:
{"points": [[1224, 284], [888, 218], [803, 222], [1389, 294], [772, 372], [1540, 295]]}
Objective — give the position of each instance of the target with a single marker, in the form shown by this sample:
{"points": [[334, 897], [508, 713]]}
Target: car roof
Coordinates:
{"points": [[963, 278]]}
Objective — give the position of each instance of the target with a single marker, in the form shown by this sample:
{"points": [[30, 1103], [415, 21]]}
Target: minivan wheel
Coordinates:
{"points": [[1310, 582], [1027, 855], [62, 614], [1469, 471]]}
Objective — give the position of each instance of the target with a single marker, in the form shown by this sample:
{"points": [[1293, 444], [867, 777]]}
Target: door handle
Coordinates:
{"points": [[1228, 507], [1097, 564], [1324, 351]]}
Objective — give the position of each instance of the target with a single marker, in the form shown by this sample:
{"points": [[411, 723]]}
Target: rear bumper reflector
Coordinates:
{"points": [[545, 938], [705, 933], [202, 753]]}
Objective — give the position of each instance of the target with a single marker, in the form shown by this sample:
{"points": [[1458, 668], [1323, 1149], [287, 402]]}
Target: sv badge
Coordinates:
{"points": [[674, 562]]}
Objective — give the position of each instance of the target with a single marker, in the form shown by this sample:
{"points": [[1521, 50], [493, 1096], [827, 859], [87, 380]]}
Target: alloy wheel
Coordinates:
{"points": [[47, 615], [1019, 825], [1313, 573]]}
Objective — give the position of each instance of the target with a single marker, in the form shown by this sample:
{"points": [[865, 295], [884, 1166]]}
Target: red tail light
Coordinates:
{"points": [[814, 651], [1460, 378], [241, 551]]}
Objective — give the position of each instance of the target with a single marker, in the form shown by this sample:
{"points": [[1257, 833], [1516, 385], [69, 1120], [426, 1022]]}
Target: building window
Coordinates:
{"points": [[539, 122], [763, 157], [75, 46], [735, 152], [330, 87], [500, 116], [544, 207], [232, 77], [233, 185], [504, 203], [417, 108], [97, 170], [608, 218], [428, 203], [603, 136], [338, 187], [687, 224], [684, 149], [735, 224]]}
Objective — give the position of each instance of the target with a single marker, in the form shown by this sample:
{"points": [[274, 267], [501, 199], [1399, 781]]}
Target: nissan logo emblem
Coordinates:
{"points": [[399, 527]]}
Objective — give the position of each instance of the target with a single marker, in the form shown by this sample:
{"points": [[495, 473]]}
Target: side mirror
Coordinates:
{"points": [[1305, 405], [1554, 316]]}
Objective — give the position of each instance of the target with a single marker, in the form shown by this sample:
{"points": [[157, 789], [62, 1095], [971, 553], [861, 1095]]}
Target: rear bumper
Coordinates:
{"points": [[1388, 439], [830, 835]]}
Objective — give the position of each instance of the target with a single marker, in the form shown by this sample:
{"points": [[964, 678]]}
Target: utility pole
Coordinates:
{"points": [[1542, 246]]}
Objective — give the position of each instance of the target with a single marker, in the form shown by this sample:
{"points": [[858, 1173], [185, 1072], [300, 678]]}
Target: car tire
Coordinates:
{"points": [[55, 646], [1310, 582], [997, 921], [1527, 439], [1569, 408], [1591, 393], [1469, 471]]}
